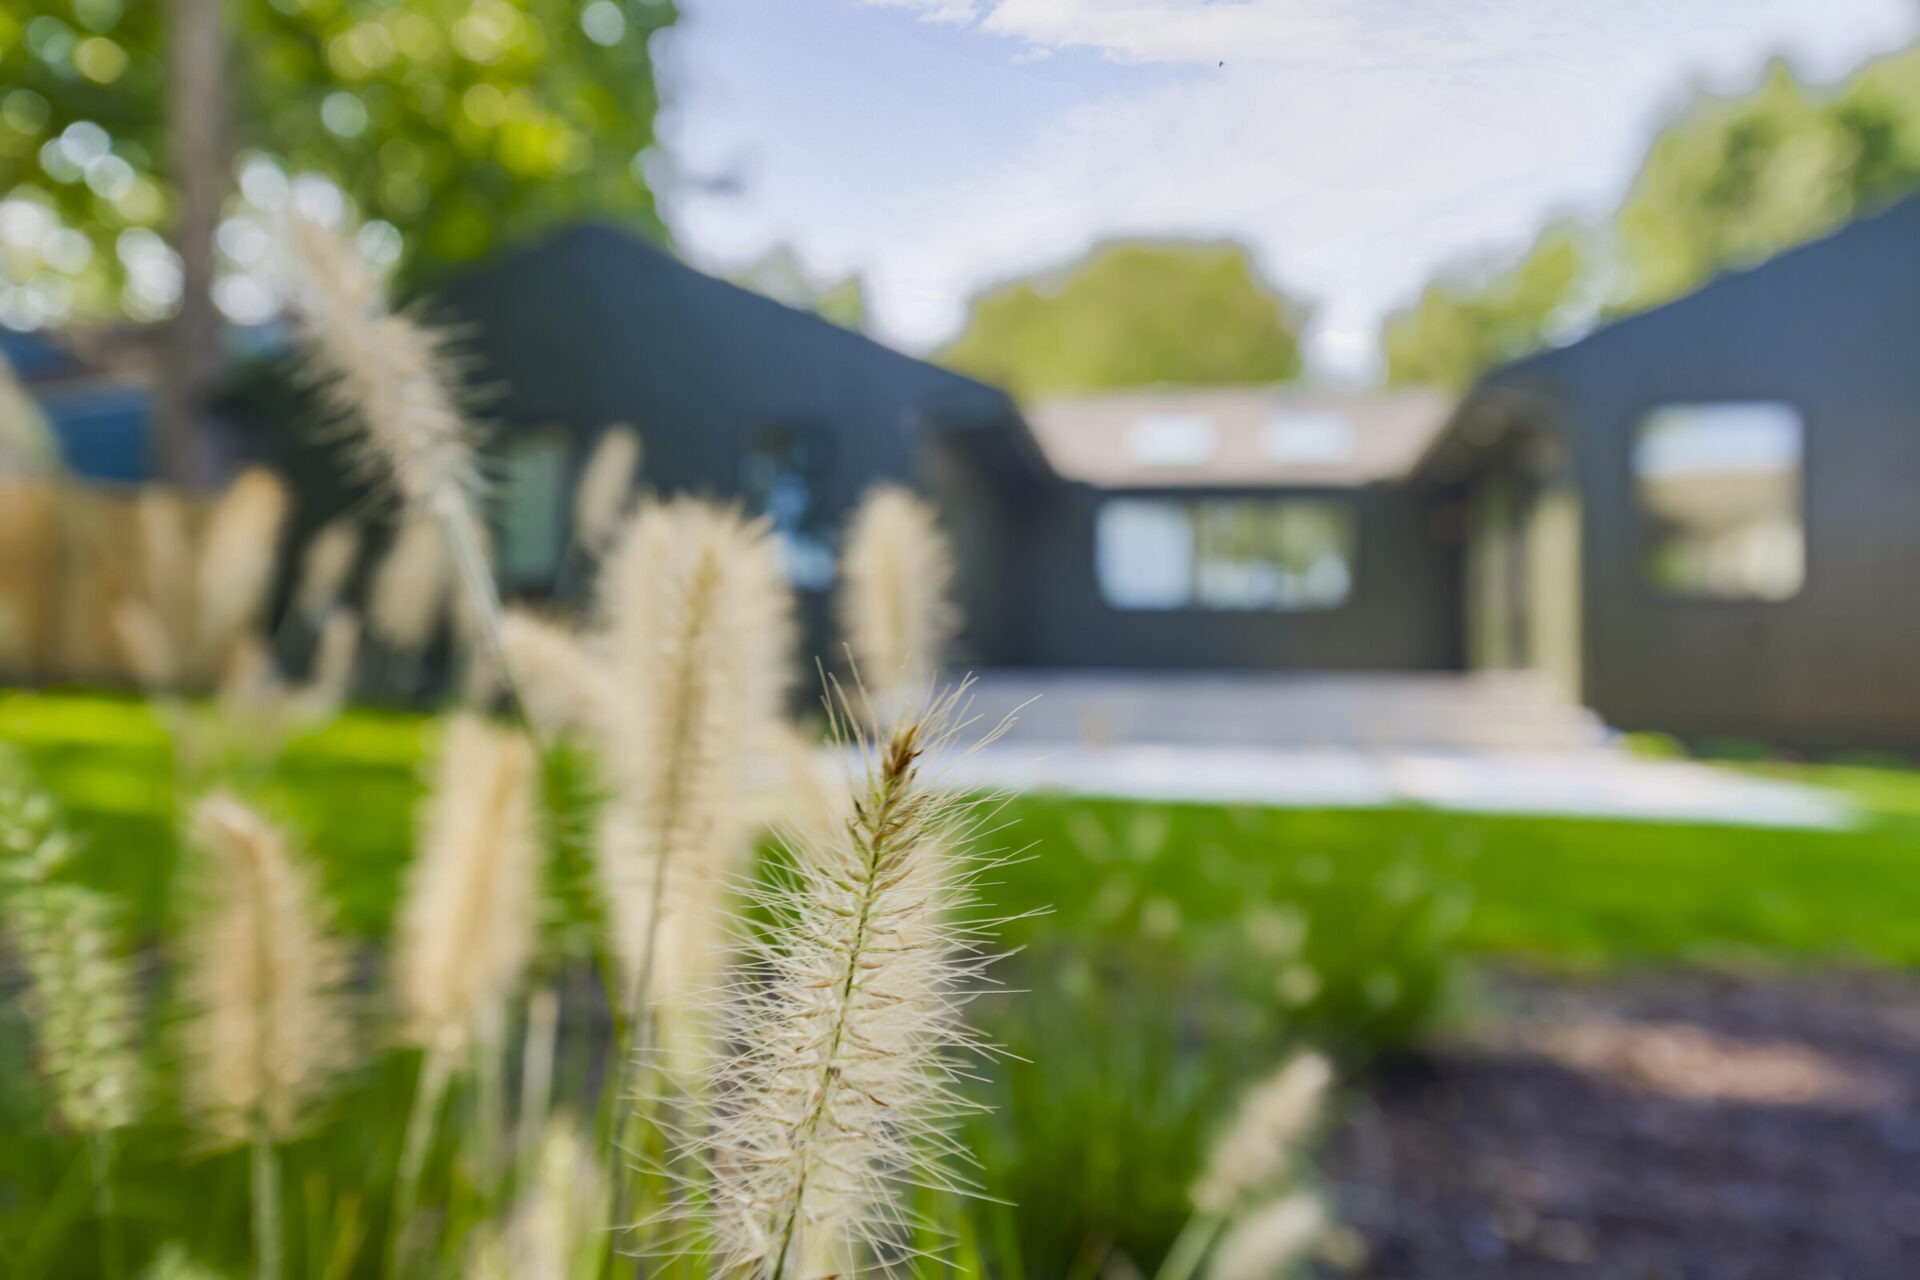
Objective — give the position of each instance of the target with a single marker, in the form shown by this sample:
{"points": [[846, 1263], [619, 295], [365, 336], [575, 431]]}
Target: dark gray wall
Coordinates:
{"points": [[594, 326], [1398, 617], [1833, 328]]}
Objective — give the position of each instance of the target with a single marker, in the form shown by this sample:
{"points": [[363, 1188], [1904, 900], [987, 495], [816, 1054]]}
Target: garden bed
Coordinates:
{"points": [[1681, 1124]]}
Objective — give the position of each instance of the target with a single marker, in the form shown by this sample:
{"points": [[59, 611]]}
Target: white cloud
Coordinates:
{"points": [[1356, 145]]}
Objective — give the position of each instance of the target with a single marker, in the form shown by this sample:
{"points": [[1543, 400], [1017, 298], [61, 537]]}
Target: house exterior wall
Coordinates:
{"points": [[1398, 615], [1832, 329]]}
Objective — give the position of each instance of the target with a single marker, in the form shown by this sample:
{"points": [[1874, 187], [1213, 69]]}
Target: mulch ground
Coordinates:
{"points": [[1674, 1126]]}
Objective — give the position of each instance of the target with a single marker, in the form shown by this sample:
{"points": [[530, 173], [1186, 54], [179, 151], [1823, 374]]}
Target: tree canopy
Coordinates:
{"points": [[458, 123], [1133, 314], [1730, 183]]}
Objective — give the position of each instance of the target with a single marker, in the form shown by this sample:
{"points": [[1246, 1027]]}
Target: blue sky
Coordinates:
{"points": [[1356, 145]]}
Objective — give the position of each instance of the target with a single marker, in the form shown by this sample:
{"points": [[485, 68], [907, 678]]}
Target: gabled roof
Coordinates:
{"points": [[1238, 437], [594, 315], [1730, 335]]}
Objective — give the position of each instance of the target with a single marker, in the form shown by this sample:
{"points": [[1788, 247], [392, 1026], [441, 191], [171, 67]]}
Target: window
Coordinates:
{"points": [[1173, 439], [784, 478], [1719, 490], [1240, 554], [533, 524], [1311, 438]]}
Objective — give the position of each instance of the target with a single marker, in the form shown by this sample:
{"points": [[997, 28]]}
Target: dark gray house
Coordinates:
{"points": [[1708, 515], [1697, 520], [1239, 528], [734, 396]]}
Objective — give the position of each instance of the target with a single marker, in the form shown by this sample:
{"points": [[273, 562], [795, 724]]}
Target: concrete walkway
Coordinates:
{"points": [[1501, 743], [1590, 783]]}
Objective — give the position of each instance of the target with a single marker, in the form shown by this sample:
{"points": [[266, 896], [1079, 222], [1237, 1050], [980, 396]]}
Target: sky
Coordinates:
{"points": [[1356, 146]]}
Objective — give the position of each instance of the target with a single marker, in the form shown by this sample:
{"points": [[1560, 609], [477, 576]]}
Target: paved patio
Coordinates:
{"points": [[1499, 744]]}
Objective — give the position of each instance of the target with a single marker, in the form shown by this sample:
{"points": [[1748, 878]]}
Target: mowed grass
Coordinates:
{"points": [[1565, 890], [1558, 889]]}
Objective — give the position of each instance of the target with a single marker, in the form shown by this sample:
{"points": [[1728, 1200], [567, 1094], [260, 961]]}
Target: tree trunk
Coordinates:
{"points": [[196, 119]]}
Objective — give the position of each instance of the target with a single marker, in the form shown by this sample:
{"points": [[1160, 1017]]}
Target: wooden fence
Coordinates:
{"points": [[68, 554]]}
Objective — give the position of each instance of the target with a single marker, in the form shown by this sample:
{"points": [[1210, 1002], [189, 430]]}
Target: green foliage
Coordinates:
{"points": [[1730, 183], [1463, 325], [464, 124], [1131, 315]]}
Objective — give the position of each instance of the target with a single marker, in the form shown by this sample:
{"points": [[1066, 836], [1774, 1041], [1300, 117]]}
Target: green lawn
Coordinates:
{"points": [[1182, 947], [1561, 890]]}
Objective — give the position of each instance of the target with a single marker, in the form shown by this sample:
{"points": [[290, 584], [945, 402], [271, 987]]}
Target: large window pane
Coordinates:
{"points": [[1143, 554], [1242, 554], [1719, 489], [533, 517]]}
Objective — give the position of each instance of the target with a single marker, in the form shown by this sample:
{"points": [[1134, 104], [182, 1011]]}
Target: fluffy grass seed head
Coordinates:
{"points": [[388, 375], [467, 925], [146, 647], [324, 569], [239, 551], [563, 682], [330, 678], [1267, 1242], [555, 1220], [841, 1086], [409, 593], [82, 994], [1263, 1144], [896, 576], [697, 635], [263, 979], [606, 483]]}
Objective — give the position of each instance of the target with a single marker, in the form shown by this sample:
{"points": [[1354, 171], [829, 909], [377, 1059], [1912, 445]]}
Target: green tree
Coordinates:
{"points": [[463, 123], [1129, 315], [1730, 183], [1464, 324]]}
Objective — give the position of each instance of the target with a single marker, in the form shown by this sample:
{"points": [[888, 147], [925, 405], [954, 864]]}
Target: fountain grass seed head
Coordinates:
{"points": [[325, 567], [263, 978], [82, 992], [846, 1051], [1263, 1145], [410, 586], [600, 502], [467, 924], [697, 635], [239, 552], [896, 573], [388, 376]]}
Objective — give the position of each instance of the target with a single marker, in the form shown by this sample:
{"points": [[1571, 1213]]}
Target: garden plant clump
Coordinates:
{"points": [[610, 964]]}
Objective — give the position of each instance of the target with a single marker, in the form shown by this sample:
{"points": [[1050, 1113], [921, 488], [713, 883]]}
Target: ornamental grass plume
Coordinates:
{"points": [[324, 569], [145, 645], [562, 681], [82, 993], [896, 573], [557, 1221], [467, 924], [166, 562], [239, 551], [393, 382], [389, 377], [1248, 1190], [330, 677], [1263, 1144], [841, 1084], [600, 502], [697, 637], [1267, 1242], [409, 592], [263, 979]]}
